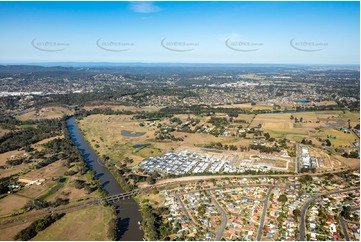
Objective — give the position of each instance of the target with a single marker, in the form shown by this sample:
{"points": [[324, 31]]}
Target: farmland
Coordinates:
{"points": [[85, 224], [314, 125], [45, 113]]}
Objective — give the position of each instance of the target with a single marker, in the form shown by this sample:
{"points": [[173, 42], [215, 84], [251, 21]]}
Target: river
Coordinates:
{"points": [[127, 210]]}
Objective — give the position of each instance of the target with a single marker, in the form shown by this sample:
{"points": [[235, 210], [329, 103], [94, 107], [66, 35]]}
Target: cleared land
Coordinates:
{"points": [[314, 125], [249, 106], [122, 107], [9, 233], [3, 131], [12, 203], [103, 132], [7, 155], [90, 223], [46, 113]]}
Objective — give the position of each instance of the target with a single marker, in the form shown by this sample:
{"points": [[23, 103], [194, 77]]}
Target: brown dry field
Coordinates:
{"points": [[248, 106], [3, 131], [353, 163], [49, 172], [122, 107], [12, 203], [15, 170], [7, 155], [46, 113], [90, 223], [9, 233], [70, 192], [275, 163], [39, 145], [281, 126], [247, 117]]}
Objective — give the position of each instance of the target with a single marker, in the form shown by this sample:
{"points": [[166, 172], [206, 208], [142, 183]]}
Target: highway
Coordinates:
{"points": [[304, 208]]}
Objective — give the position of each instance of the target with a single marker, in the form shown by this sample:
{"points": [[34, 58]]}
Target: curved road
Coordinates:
{"points": [[223, 214], [344, 224], [304, 208], [265, 205], [185, 210]]}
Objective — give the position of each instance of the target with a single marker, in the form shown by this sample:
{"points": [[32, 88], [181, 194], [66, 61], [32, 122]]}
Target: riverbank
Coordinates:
{"points": [[127, 211]]}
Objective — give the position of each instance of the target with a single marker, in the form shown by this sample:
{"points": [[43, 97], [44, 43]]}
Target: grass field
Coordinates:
{"points": [[12, 203], [248, 106], [342, 139], [7, 155], [314, 125], [122, 107], [9, 233], [46, 113], [50, 173], [4, 131], [90, 223]]}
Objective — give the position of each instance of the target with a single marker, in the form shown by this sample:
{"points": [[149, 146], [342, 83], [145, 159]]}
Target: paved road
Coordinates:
{"points": [[265, 205], [304, 208], [187, 179], [344, 224], [224, 217], [344, 227], [185, 210]]}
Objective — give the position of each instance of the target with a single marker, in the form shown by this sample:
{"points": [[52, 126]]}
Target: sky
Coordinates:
{"points": [[180, 32]]}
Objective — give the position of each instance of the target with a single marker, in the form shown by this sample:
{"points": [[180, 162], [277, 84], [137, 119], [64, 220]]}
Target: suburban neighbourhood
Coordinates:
{"points": [[324, 207]]}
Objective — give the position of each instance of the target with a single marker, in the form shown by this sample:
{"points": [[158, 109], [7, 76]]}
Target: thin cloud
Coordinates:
{"points": [[144, 7]]}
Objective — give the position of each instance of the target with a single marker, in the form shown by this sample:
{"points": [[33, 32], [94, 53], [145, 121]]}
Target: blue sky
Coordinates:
{"points": [[181, 32]]}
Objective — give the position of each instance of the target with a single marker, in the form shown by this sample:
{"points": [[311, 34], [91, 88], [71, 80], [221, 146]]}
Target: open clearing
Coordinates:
{"points": [[46, 113], [9, 233], [90, 223], [341, 138], [248, 106], [314, 125], [122, 107], [12, 203], [39, 145], [50, 173], [4, 131], [7, 155]]}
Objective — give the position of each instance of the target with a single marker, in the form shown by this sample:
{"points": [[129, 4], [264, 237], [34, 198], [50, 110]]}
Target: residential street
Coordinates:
{"points": [[304, 208], [223, 214], [259, 235]]}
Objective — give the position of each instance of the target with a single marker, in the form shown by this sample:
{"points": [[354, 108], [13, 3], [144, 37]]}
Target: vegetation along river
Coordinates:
{"points": [[127, 210]]}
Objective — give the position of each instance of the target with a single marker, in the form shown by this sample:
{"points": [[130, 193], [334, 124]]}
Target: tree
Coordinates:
{"points": [[346, 212], [282, 198], [267, 136], [305, 178], [150, 180], [328, 142], [297, 213]]}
